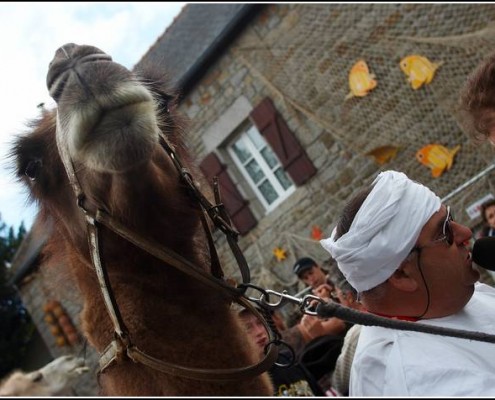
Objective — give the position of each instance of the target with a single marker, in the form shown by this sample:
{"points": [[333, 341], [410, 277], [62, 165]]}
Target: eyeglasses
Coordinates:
{"points": [[447, 232]]}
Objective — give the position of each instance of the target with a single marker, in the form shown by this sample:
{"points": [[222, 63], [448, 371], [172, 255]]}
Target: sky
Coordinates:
{"points": [[29, 35]]}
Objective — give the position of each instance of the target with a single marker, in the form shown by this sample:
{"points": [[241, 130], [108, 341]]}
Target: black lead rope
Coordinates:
{"points": [[331, 309]]}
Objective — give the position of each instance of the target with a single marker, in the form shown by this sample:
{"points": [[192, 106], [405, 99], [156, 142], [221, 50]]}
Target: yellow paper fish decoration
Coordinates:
{"points": [[437, 157], [383, 154], [360, 80], [419, 70], [279, 253]]}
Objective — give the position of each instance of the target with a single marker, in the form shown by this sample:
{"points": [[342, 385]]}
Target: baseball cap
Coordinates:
{"points": [[303, 264]]}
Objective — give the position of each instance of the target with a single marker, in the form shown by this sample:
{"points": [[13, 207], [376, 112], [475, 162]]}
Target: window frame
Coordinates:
{"points": [[243, 133]]}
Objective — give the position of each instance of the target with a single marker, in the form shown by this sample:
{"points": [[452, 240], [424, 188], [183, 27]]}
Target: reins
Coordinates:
{"points": [[122, 346]]}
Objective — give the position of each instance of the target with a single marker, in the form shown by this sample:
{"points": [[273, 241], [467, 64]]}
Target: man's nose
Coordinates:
{"points": [[461, 233]]}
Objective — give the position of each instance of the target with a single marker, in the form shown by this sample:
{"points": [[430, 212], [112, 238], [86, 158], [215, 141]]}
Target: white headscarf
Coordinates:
{"points": [[384, 230]]}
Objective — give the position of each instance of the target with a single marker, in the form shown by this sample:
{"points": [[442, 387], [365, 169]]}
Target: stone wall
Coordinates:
{"points": [[36, 290], [300, 55]]}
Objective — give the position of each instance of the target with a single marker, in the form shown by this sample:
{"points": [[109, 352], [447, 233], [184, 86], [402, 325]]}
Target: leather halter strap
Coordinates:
{"points": [[122, 346]]}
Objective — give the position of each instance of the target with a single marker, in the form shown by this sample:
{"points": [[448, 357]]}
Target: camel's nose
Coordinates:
{"points": [[66, 58], [64, 52]]}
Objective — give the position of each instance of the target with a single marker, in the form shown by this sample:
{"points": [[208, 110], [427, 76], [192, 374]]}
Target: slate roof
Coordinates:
{"points": [[195, 38]]}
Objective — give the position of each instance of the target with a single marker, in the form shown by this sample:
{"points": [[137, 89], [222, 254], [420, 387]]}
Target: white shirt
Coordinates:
{"points": [[391, 362]]}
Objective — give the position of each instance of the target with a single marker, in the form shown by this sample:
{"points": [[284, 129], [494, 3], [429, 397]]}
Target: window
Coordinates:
{"points": [[268, 158], [261, 168]]}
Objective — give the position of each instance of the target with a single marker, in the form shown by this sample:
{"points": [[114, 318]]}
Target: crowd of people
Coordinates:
{"points": [[402, 256]]}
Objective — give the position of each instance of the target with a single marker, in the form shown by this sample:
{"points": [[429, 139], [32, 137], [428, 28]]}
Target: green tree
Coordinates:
{"points": [[16, 326]]}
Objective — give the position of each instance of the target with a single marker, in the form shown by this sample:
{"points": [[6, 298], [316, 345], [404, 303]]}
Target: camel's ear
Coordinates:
{"points": [[403, 278]]}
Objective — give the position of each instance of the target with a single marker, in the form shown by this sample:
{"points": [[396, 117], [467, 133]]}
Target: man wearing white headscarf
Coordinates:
{"points": [[399, 247]]}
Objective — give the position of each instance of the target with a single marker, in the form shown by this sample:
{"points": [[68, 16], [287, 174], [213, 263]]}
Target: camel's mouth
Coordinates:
{"points": [[109, 114]]}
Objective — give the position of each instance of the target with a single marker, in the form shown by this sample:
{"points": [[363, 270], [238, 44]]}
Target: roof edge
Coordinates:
{"points": [[229, 33]]}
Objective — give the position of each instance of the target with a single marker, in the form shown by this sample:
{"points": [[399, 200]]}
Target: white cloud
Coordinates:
{"points": [[31, 32]]}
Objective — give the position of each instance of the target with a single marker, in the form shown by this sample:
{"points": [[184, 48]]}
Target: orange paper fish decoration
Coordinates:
{"points": [[419, 70], [279, 253], [383, 154], [316, 233], [361, 81], [437, 157]]}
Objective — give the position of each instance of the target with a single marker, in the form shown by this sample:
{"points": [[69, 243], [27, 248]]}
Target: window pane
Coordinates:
{"points": [[269, 157], [268, 192], [254, 171], [283, 178], [256, 138], [260, 166], [241, 151]]}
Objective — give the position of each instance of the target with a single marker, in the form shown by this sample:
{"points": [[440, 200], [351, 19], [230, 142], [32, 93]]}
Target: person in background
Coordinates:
{"points": [[342, 372], [318, 279], [402, 251], [312, 274], [295, 380], [477, 116], [477, 101], [323, 338], [310, 327], [488, 215]]}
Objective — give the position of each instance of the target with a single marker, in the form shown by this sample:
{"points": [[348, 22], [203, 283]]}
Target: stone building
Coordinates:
{"points": [[40, 284], [269, 115], [266, 90]]}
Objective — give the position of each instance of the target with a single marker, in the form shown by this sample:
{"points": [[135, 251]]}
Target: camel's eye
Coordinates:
{"points": [[164, 103], [33, 169]]}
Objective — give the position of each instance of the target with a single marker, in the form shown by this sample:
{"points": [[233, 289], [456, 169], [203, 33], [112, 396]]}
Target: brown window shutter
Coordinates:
{"points": [[237, 207], [283, 142]]}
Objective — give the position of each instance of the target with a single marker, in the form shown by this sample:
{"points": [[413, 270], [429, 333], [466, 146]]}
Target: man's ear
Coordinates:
{"points": [[404, 277]]}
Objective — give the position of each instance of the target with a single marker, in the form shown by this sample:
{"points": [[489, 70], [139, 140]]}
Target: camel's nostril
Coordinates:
{"points": [[56, 88]]}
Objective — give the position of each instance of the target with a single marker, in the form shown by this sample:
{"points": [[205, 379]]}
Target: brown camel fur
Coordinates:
{"points": [[110, 119]]}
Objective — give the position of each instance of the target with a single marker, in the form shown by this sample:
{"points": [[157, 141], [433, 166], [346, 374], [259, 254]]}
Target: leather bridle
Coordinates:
{"points": [[122, 346]]}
